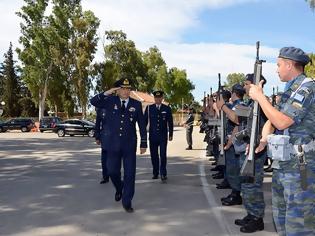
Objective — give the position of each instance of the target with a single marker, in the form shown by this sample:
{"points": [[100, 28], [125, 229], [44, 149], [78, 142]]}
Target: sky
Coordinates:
{"points": [[203, 37]]}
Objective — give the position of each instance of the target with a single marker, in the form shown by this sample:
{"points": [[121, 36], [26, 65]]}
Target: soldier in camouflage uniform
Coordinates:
{"points": [[292, 202], [252, 193]]}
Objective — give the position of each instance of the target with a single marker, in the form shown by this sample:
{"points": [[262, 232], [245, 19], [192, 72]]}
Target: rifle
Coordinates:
{"points": [[222, 157], [248, 168], [204, 105], [273, 102]]}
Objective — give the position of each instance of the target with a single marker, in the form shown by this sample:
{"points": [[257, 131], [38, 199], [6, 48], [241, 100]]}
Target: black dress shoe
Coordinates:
{"points": [[128, 209], [244, 221], [105, 180], [232, 200], [253, 225], [163, 178], [118, 196], [189, 148], [155, 177]]}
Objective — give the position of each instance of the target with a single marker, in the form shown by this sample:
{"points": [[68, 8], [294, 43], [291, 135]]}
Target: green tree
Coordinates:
{"points": [[83, 47], [310, 68], [153, 61], [36, 54], [312, 3], [234, 78], [176, 86], [10, 85], [126, 59]]}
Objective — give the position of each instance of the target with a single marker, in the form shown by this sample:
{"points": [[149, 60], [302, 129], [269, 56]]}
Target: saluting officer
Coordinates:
{"points": [[159, 119], [189, 125], [99, 128], [293, 179], [120, 139]]}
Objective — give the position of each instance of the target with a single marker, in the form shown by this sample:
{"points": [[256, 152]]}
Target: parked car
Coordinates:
{"points": [[48, 123], [75, 127], [23, 124]]}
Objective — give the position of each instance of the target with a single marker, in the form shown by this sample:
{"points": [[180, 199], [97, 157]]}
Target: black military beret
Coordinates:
{"points": [[158, 93], [226, 94], [250, 77], [123, 83], [238, 89], [295, 54]]}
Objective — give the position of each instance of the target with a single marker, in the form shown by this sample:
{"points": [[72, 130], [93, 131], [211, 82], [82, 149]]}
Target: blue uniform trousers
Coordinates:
{"points": [[252, 193], [293, 209], [127, 186], [155, 157], [103, 161], [232, 168]]}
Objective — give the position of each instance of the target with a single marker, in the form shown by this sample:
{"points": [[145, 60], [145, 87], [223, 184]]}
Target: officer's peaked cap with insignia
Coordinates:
{"points": [[123, 83], [158, 93], [250, 77], [238, 89], [295, 54]]}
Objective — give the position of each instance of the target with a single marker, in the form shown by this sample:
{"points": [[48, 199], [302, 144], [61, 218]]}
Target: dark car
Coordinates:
{"points": [[48, 123], [75, 127], [23, 124]]}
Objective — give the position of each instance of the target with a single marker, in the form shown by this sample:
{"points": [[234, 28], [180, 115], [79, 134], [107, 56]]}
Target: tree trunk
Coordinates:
{"points": [[43, 93]]}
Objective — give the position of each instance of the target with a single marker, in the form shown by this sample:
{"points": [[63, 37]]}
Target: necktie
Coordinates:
{"points": [[158, 107], [123, 106]]}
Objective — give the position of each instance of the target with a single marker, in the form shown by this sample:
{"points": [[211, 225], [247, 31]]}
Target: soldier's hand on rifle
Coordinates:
{"points": [[256, 91], [261, 146], [170, 138], [143, 150], [220, 102]]}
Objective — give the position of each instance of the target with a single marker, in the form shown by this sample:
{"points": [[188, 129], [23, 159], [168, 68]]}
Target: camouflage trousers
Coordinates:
{"points": [[232, 168], [252, 193], [293, 209]]}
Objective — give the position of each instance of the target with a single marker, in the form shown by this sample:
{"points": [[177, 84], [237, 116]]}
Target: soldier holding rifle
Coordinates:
{"points": [[292, 145]]}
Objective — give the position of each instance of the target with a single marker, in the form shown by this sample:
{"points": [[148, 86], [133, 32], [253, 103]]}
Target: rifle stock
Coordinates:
{"points": [[248, 168]]}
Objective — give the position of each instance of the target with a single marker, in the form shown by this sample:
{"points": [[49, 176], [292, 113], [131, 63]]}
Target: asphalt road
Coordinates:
{"points": [[49, 186]]}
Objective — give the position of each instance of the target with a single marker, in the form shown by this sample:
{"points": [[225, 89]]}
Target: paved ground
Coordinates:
{"points": [[49, 186]]}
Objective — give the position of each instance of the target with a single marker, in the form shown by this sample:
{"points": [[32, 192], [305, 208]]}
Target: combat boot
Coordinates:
{"points": [[234, 199], [253, 225], [244, 221]]}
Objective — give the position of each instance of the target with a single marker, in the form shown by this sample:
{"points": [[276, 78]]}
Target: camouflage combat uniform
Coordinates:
{"points": [[293, 208]]}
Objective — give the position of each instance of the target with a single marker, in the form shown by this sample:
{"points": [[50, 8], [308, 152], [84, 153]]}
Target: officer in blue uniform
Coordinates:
{"points": [[99, 128], [159, 120], [119, 137]]}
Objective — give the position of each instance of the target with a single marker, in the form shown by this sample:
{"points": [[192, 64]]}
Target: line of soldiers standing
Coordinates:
{"points": [[288, 131]]}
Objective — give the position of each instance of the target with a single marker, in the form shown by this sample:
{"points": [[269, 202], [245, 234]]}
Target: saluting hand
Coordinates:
{"points": [[143, 150], [111, 91], [256, 91]]}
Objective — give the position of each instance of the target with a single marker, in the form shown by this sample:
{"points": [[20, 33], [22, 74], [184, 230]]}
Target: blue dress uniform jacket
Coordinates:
{"points": [[99, 128], [120, 126], [119, 139], [160, 124]]}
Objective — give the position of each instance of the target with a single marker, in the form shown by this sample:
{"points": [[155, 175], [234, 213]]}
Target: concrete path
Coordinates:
{"points": [[49, 186]]}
